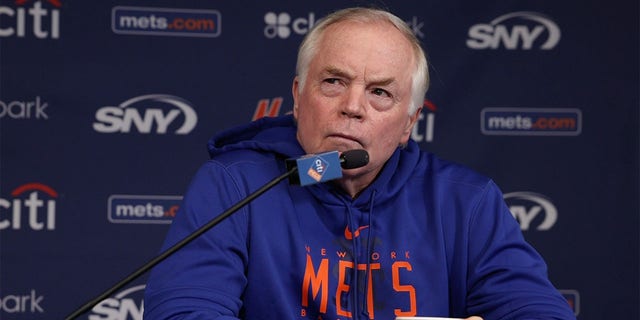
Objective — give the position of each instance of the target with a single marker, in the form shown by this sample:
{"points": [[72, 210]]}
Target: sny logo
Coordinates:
{"points": [[40, 17], [514, 36], [39, 218], [526, 206], [120, 119], [127, 304]]}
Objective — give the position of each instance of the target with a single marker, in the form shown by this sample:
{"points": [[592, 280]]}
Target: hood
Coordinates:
{"points": [[278, 135], [269, 134]]}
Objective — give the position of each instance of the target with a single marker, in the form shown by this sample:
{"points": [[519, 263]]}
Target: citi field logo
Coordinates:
{"points": [[125, 305], [22, 21], [153, 113], [517, 30], [531, 121], [166, 22], [28, 109], [145, 209], [532, 210], [32, 206], [281, 25]]}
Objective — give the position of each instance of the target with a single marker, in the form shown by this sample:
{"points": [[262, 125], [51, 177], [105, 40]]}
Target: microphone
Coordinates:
{"points": [[324, 171], [322, 167]]}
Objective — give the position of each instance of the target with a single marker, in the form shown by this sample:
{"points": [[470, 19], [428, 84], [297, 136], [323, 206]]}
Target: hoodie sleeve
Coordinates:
{"points": [[507, 278], [205, 279]]}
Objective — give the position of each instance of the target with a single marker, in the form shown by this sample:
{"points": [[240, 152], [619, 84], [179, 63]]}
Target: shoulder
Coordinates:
{"points": [[451, 173]]}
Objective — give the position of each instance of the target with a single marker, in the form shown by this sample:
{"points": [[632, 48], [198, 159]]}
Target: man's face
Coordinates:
{"points": [[357, 93]]}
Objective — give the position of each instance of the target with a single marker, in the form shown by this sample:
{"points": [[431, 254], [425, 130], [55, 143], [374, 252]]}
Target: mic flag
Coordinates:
{"points": [[315, 168], [318, 168]]}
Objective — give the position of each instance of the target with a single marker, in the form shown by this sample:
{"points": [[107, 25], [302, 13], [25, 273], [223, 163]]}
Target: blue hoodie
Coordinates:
{"points": [[426, 238]]}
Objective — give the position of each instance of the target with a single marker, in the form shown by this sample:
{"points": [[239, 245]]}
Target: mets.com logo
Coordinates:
{"points": [[531, 121], [166, 22], [145, 209]]}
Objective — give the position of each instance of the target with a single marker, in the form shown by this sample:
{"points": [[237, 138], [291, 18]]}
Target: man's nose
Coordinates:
{"points": [[354, 104]]}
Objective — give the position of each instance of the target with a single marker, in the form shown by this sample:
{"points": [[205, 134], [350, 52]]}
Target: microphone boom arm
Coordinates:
{"points": [[153, 262]]}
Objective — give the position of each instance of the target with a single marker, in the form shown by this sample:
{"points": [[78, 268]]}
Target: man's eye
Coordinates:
{"points": [[380, 92], [332, 81]]}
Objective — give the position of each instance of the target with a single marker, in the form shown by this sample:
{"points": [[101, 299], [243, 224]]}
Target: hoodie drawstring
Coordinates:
{"points": [[369, 251], [354, 296]]}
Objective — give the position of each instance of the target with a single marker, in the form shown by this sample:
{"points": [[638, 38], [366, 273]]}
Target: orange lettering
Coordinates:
{"points": [[303, 313], [342, 287], [375, 256], [404, 288], [393, 255], [323, 251], [317, 281], [406, 255], [373, 266]]}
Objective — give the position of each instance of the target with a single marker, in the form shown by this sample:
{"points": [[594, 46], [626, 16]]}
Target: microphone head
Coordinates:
{"points": [[354, 159]]}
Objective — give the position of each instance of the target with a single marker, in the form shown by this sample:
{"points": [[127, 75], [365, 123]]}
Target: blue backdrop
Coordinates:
{"points": [[106, 108]]}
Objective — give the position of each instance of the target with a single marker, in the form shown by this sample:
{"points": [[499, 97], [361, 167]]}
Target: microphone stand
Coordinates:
{"points": [[180, 244]]}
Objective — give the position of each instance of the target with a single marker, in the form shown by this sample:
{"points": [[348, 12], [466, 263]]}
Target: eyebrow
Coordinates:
{"points": [[335, 71]]}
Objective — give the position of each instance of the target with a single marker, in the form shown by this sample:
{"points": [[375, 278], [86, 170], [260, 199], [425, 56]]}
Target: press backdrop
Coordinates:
{"points": [[106, 108]]}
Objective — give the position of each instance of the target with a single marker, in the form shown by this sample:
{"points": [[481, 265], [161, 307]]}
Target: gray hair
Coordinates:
{"points": [[309, 47]]}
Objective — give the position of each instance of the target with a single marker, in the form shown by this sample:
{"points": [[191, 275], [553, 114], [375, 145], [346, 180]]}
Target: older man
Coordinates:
{"points": [[406, 235]]}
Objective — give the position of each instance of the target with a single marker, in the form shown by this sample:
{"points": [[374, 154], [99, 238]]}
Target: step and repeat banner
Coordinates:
{"points": [[106, 108]]}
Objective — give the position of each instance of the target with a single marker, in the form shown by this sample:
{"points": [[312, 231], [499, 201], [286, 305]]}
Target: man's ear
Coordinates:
{"points": [[295, 93]]}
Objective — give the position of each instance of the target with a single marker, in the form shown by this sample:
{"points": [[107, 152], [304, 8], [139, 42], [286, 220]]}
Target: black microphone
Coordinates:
{"points": [[347, 160], [353, 159]]}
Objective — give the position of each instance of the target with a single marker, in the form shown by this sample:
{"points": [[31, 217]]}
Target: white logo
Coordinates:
{"points": [[24, 109], [278, 25], [41, 19], [21, 303], [525, 206], [514, 36], [125, 305], [416, 26], [120, 119], [41, 213]]}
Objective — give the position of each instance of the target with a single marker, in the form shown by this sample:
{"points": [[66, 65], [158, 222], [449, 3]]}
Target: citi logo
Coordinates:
{"points": [[146, 209], [127, 304], [424, 127], [317, 169], [32, 206], [532, 210], [281, 24], [516, 30], [153, 113], [44, 23], [34, 109]]}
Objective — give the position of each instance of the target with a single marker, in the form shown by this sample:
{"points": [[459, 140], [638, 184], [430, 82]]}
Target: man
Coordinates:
{"points": [[406, 235]]}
